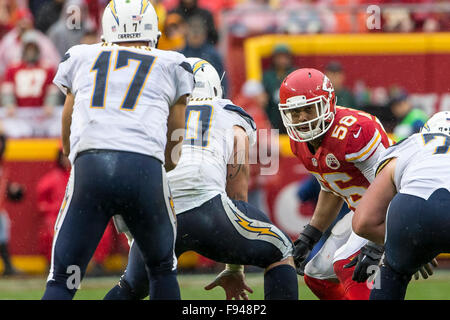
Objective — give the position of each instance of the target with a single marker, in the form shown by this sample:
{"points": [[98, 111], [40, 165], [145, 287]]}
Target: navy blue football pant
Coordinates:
{"points": [[417, 230], [221, 229], [102, 184]]}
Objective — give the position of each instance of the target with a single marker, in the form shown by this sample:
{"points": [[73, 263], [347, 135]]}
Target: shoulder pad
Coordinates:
{"points": [[393, 151], [242, 113], [186, 66], [66, 56]]}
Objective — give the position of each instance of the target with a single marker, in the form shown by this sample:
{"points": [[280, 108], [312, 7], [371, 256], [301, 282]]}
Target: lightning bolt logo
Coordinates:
{"points": [[112, 6], [247, 225], [144, 5], [199, 64]]}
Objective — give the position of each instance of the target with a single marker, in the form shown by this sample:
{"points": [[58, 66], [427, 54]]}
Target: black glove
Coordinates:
{"points": [[370, 255], [303, 246]]}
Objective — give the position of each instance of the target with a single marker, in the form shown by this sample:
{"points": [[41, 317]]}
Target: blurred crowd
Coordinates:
{"points": [[35, 34]]}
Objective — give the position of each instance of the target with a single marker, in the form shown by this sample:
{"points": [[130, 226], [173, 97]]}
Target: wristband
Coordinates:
{"points": [[234, 267], [312, 233]]}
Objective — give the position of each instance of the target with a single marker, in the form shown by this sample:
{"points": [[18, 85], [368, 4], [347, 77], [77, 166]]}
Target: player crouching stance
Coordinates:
{"points": [[209, 187], [339, 146], [406, 208]]}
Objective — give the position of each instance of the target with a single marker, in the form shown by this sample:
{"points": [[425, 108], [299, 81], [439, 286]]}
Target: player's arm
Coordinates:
{"points": [[370, 215], [67, 121], [238, 166], [175, 130], [7, 97], [327, 209], [369, 221], [232, 279]]}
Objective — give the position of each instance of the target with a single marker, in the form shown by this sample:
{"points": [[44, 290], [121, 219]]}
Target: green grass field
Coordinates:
{"points": [[435, 288]]}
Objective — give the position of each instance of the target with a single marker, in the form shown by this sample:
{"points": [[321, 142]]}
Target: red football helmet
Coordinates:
{"points": [[303, 88]]}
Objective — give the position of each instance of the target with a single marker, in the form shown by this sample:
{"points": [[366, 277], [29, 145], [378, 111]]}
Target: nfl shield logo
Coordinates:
{"points": [[332, 161]]}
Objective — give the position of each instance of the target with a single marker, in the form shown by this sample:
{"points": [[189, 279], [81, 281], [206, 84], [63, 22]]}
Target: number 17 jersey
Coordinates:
{"points": [[344, 163], [122, 96]]}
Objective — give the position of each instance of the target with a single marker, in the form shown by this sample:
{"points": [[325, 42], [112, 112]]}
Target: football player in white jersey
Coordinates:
{"points": [[406, 207], [209, 187], [123, 97]]}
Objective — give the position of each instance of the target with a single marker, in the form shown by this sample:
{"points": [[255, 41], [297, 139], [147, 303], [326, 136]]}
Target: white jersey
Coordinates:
{"points": [[421, 164], [207, 149], [122, 96]]}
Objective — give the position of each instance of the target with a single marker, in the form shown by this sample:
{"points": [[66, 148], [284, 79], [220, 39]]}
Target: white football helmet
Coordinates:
{"points": [[438, 123], [130, 20], [207, 80]]}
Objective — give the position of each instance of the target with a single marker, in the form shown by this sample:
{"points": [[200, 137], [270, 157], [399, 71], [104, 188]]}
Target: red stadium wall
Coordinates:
{"points": [[26, 161], [414, 62], [24, 215]]}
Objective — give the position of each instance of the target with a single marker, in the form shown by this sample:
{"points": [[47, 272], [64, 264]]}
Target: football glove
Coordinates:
{"points": [[370, 255], [303, 246]]}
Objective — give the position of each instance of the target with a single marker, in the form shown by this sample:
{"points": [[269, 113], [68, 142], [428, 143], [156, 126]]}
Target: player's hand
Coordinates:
{"points": [[370, 255], [233, 282], [303, 246], [426, 270]]}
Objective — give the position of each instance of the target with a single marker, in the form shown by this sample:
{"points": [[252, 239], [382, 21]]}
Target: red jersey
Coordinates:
{"points": [[349, 143], [30, 83], [50, 190]]}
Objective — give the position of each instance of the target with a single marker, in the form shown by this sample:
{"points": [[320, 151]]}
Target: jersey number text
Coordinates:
{"points": [[102, 66]]}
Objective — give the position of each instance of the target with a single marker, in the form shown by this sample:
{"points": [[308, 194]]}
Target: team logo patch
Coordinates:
{"points": [[314, 162], [327, 86], [332, 161]]}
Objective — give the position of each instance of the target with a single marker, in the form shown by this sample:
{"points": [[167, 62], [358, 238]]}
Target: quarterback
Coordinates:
{"points": [[122, 97]]}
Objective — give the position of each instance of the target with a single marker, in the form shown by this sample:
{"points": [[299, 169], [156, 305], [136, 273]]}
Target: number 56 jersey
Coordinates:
{"points": [[122, 96], [344, 163]]}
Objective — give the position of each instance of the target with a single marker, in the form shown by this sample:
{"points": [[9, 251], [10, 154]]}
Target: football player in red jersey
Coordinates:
{"points": [[340, 147], [28, 83]]}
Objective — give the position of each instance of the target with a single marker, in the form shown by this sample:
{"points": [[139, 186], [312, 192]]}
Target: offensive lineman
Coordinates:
{"points": [[406, 206], [122, 97], [209, 187], [339, 146]]}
